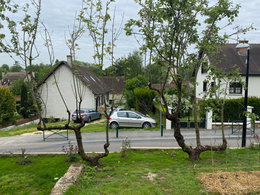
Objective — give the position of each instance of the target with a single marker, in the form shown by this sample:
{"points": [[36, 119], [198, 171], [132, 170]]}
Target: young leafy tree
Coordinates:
{"points": [[23, 35], [75, 34], [78, 90], [22, 44], [130, 67], [115, 33], [218, 84], [16, 67], [95, 15], [155, 72], [175, 29]]}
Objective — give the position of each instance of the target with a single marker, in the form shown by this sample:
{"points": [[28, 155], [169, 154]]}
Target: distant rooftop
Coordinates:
{"points": [[228, 57], [9, 77], [116, 84]]}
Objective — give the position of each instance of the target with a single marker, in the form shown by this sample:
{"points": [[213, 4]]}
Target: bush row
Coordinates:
{"points": [[233, 109]]}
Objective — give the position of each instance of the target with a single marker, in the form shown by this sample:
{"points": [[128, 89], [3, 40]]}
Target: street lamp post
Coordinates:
{"points": [[244, 50]]}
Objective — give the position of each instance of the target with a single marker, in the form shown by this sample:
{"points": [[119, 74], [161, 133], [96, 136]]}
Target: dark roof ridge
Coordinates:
{"points": [[227, 57], [88, 78]]}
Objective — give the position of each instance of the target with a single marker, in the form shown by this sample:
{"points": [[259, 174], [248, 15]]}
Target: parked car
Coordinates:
{"points": [[128, 118], [87, 114]]}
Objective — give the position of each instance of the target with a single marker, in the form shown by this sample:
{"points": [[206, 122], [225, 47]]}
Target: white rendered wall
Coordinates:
{"points": [[52, 99], [253, 86]]}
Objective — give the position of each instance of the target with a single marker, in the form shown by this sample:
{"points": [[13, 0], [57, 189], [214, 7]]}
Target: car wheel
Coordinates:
{"points": [[114, 125], [89, 120], [146, 125]]}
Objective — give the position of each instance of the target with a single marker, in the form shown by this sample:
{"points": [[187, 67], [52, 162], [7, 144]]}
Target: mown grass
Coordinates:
{"points": [[95, 126], [39, 177], [18, 130], [174, 173], [129, 175]]}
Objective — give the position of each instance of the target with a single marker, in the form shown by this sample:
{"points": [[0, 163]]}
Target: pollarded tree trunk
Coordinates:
{"points": [[92, 159], [194, 153]]}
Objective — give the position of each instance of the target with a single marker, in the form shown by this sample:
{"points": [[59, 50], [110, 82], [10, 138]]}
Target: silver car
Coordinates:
{"points": [[115, 109], [128, 118], [87, 114]]}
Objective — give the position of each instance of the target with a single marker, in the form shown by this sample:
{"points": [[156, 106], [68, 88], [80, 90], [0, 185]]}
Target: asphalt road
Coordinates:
{"points": [[93, 142]]}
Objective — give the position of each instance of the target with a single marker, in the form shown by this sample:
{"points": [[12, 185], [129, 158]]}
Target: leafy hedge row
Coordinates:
{"points": [[233, 109]]}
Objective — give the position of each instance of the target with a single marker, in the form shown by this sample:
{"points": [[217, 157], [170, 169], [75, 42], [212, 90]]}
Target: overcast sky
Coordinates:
{"points": [[58, 15]]}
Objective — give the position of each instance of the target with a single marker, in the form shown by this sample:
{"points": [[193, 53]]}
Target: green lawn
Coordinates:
{"points": [[174, 173], [18, 130], [39, 177]]}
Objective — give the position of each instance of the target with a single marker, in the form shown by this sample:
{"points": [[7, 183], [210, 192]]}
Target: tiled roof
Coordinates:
{"points": [[227, 57], [115, 84], [90, 80], [87, 77], [11, 76]]}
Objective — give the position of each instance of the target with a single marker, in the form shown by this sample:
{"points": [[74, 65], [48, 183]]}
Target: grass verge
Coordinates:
{"points": [[39, 177], [18, 130], [161, 172]]}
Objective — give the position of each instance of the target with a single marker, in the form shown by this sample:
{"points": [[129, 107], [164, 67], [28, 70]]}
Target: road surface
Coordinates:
{"points": [[93, 142]]}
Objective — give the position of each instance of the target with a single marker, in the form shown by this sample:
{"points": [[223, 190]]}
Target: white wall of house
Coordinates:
{"points": [[54, 106], [117, 98], [253, 86]]}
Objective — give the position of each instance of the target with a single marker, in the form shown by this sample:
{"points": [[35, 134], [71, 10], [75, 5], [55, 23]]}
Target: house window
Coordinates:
{"points": [[205, 86], [204, 67], [235, 88]]}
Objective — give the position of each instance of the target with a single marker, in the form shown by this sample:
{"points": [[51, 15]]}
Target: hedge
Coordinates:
{"points": [[233, 109]]}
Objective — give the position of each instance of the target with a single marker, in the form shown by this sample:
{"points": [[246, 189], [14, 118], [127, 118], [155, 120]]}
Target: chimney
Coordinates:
{"points": [[3, 74], [242, 47], [69, 60]]}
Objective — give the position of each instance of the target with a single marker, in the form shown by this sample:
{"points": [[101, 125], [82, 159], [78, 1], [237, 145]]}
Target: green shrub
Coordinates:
{"points": [[233, 109], [17, 86], [7, 106], [130, 86], [144, 99]]}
